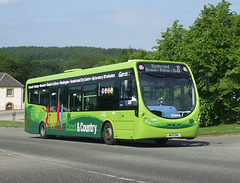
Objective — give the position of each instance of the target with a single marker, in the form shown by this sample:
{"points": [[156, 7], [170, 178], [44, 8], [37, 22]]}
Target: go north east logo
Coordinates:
{"points": [[87, 128]]}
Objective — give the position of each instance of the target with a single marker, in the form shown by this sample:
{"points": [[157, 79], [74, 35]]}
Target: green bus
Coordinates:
{"points": [[138, 99]]}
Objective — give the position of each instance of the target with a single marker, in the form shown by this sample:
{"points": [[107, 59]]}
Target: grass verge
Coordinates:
{"points": [[10, 124], [222, 129]]}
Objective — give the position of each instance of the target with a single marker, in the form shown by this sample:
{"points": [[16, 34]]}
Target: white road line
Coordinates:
{"points": [[69, 167]]}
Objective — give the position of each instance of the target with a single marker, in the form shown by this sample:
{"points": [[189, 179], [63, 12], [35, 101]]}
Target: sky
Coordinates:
{"points": [[95, 23]]}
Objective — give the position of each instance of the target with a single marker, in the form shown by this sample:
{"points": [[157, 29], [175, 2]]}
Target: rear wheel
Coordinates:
{"points": [[42, 131], [108, 134]]}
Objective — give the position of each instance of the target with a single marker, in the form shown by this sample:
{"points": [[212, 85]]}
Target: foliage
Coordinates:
{"points": [[56, 53], [29, 62], [171, 45], [210, 47], [84, 61], [124, 57], [12, 65], [23, 70]]}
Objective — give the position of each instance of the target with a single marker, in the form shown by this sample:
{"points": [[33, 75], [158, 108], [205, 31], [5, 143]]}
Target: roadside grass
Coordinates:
{"points": [[222, 129], [16, 124]]}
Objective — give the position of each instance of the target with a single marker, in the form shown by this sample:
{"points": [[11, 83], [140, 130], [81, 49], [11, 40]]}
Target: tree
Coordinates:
{"points": [[210, 47], [10, 65], [171, 46], [230, 84]]}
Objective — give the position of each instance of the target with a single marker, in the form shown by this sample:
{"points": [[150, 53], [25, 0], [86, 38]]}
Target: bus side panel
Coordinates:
{"points": [[33, 116], [83, 124]]}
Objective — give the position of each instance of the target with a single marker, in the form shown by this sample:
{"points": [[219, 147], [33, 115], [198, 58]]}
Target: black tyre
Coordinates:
{"points": [[108, 134], [161, 142], [42, 131]]}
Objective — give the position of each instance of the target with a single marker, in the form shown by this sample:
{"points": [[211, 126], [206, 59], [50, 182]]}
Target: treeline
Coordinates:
{"points": [[211, 46], [29, 62], [56, 53]]}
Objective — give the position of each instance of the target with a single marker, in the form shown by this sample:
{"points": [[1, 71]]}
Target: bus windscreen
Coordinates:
{"points": [[167, 89]]}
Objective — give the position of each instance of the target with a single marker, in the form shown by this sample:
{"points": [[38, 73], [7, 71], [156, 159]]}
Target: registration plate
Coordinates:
{"points": [[174, 135]]}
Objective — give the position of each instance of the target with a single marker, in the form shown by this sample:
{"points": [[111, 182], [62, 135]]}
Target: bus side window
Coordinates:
{"points": [[75, 98], [63, 98], [33, 96], [134, 95], [125, 89], [107, 96], [53, 100], [90, 97], [44, 97], [128, 93]]}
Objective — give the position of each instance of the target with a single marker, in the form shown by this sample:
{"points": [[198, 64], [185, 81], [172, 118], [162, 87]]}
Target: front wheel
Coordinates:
{"points": [[108, 134], [42, 131]]}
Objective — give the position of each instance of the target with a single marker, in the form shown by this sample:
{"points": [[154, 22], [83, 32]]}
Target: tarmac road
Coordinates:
{"points": [[28, 158]]}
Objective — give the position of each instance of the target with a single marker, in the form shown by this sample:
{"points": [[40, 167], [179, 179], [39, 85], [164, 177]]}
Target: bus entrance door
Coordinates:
{"points": [[124, 124]]}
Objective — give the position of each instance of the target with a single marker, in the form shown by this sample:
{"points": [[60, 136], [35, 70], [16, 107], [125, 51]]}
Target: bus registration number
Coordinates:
{"points": [[174, 135]]}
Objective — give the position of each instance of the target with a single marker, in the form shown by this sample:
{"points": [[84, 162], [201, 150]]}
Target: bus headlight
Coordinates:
{"points": [[198, 117]]}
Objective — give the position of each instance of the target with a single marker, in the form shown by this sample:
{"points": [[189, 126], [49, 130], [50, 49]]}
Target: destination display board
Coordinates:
{"points": [[165, 68]]}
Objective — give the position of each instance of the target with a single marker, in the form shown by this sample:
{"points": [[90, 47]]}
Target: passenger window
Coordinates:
{"points": [[108, 96], [75, 98], [53, 100], [44, 97], [63, 98], [128, 93], [125, 89], [90, 97], [33, 96]]}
